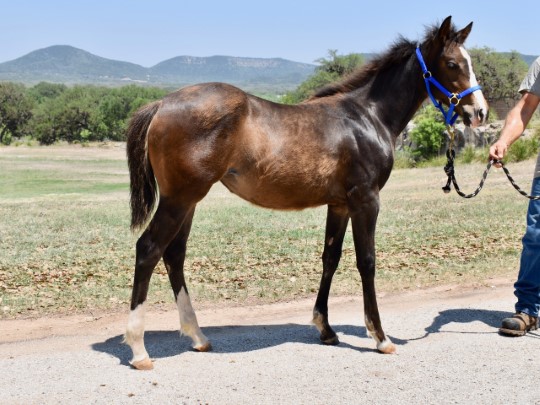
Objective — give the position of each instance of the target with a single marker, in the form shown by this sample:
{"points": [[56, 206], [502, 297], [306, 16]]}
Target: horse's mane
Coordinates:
{"points": [[399, 51]]}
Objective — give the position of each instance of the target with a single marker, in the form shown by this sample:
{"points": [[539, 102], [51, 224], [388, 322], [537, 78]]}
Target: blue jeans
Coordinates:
{"points": [[527, 286]]}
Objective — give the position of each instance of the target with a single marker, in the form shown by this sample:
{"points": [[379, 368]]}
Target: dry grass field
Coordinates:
{"points": [[65, 243]]}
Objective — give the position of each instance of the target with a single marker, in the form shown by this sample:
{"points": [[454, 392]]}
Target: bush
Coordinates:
{"points": [[437, 161], [523, 149], [404, 159], [427, 136], [468, 154], [492, 116]]}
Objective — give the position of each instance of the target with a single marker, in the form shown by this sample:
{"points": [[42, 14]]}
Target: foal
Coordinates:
{"points": [[335, 149]]}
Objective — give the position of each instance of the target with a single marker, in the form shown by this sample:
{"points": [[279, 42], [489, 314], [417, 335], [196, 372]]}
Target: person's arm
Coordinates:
{"points": [[514, 125]]}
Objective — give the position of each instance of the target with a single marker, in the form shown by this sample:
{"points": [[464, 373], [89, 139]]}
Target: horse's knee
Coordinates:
{"points": [[366, 267], [330, 261]]}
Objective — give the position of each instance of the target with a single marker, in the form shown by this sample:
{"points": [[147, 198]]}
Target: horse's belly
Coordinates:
{"points": [[280, 193]]}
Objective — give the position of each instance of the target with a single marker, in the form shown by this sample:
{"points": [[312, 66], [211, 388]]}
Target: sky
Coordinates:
{"points": [[148, 32]]}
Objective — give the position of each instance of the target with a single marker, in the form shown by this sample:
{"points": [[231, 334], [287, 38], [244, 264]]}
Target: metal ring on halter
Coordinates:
{"points": [[454, 99], [427, 74]]}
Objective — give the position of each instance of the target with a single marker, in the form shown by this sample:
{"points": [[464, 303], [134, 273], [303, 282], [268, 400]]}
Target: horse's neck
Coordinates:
{"points": [[397, 93]]}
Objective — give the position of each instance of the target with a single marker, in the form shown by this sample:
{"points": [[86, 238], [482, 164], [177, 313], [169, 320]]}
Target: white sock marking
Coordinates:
{"points": [[135, 333], [188, 320]]}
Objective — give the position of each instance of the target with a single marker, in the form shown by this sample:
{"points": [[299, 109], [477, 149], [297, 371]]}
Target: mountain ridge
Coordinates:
{"points": [[70, 65]]}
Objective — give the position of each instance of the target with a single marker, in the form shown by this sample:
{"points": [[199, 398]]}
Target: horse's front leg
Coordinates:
{"points": [[364, 219], [336, 225]]}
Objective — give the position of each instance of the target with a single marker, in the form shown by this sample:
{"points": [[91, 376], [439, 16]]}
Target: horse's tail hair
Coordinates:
{"points": [[143, 186]]}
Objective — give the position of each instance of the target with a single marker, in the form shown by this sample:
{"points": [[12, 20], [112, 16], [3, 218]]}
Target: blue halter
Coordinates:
{"points": [[450, 116]]}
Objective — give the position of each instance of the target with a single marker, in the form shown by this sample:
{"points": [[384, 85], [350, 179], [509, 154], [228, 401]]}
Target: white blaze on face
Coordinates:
{"points": [[480, 104]]}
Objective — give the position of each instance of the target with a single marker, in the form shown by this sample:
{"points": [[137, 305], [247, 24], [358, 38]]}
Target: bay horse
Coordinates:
{"points": [[335, 149]]}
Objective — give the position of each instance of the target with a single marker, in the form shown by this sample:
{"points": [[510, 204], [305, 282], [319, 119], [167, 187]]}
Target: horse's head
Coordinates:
{"points": [[451, 65]]}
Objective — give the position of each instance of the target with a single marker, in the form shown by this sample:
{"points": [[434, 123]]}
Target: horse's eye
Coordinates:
{"points": [[452, 65]]}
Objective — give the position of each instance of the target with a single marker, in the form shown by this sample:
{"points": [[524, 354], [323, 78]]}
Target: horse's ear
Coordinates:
{"points": [[462, 35], [445, 29]]}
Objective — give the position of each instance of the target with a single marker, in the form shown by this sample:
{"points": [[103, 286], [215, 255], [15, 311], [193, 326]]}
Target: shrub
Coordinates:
{"points": [[523, 149], [468, 154], [404, 159], [427, 135]]}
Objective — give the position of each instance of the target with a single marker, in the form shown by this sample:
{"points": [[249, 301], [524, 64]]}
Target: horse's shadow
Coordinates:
{"points": [[227, 339], [239, 339]]}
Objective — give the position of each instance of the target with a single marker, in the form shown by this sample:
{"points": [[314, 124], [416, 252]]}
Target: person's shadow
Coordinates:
{"points": [[240, 339], [468, 315]]}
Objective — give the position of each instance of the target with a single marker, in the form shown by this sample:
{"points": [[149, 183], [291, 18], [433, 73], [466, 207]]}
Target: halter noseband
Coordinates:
{"points": [[450, 116]]}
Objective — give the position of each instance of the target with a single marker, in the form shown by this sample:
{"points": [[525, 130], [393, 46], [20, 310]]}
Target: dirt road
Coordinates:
{"points": [[449, 351]]}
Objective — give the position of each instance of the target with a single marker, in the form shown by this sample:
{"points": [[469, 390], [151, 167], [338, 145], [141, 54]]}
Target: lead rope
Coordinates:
{"points": [[449, 170]]}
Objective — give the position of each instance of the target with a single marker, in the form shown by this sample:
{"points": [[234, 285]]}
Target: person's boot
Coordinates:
{"points": [[519, 324]]}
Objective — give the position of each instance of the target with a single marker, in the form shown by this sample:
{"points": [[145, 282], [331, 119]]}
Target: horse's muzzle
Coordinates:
{"points": [[476, 114]]}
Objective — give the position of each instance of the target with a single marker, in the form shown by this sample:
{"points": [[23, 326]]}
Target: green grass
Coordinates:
{"points": [[65, 243]]}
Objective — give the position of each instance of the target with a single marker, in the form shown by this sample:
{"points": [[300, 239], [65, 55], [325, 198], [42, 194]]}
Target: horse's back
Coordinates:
{"points": [[204, 107]]}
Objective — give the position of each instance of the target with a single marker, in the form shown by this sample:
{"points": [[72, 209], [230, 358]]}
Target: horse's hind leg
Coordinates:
{"points": [[336, 225], [149, 249], [174, 257]]}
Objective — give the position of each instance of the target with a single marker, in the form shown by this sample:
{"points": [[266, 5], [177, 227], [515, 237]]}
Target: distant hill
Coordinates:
{"points": [[66, 64], [529, 59], [230, 69], [69, 65]]}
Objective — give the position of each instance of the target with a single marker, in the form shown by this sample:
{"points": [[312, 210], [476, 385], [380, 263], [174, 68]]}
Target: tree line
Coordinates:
{"points": [[51, 112]]}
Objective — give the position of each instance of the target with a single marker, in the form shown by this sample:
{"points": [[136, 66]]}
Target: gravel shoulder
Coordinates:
{"points": [[448, 351]]}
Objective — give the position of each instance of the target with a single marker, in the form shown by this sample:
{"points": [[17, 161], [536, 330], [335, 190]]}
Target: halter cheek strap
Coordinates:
{"points": [[450, 116]]}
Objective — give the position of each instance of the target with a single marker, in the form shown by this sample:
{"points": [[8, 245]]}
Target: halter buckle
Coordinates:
{"points": [[454, 99]]}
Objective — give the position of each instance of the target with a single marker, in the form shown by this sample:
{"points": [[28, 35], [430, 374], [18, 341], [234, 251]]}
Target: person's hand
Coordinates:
{"points": [[497, 151]]}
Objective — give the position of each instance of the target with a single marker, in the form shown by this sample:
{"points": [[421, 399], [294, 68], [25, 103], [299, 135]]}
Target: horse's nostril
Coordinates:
{"points": [[481, 114]]}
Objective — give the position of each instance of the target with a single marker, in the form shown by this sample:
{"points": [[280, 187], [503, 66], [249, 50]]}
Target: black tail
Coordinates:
{"points": [[143, 185]]}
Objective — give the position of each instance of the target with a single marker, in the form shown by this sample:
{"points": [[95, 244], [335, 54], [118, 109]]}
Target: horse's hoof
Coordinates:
{"points": [[330, 340], [386, 347], [144, 364], [203, 348]]}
